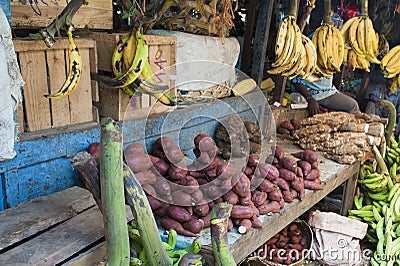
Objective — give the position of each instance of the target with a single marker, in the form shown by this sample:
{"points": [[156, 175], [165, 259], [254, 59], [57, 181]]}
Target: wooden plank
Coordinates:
{"points": [[81, 99], [20, 118], [348, 194], [279, 90], [37, 107], [96, 15], [91, 258], [30, 218], [59, 243], [60, 112], [261, 40], [248, 36], [2, 193], [61, 43]]}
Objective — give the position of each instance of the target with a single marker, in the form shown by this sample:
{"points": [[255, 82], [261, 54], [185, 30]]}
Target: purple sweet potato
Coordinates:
{"points": [[149, 189], [194, 225], [259, 198], [248, 170], [288, 163], [206, 144], [201, 210], [282, 183], [275, 195], [268, 171], [206, 219], [198, 138], [311, 184], [181, 198], [161, 167], [242, 186], [168, 224], [298, 185], [295, 124], [287, 125], [190, 184], [244, 226], [305, 166], [162, 187], [287, 174], [267, 186], [242, 212], [164, 142], [289, 196], [230, 225], [314, 174], [178, 213], [278, 152], [245, 200], [253, 161], [225, 170], [203, 158], [231, 197], [137, 162], [266, 208], [160, 212], [177, 171], [256, 222], [156, 203], [146, 177], [306, 155], [197, 196], [174, 154]]}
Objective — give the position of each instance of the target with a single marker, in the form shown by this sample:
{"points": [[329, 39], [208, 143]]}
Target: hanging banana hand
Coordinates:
{"points": [[75, 70]]}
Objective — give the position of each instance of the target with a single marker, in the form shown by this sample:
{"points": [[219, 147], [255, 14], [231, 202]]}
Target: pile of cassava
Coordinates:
{"points": [[341, 136], [182, 196]]}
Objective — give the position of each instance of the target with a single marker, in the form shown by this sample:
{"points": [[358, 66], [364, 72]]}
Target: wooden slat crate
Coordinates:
{"points": [[44, 70], [95, 15], [114, 103]]}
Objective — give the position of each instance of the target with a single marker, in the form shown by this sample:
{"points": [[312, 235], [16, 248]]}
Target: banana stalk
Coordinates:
{"points": [[144, 220], [112, 194], [381, 163], [293, 7], [392, 118], [327, 12], [364, 8], [219, 234]]}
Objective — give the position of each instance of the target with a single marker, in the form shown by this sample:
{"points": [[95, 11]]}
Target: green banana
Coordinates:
{"points": [[134, 71], [393, 142], [172, 238], [393, 191], [378, 196], [357, 202], [393, 170], [74, 73], [371, 238], [376, 213], [379, 228], [361, 213], [355, 218], [135, 262], [195, 247]]}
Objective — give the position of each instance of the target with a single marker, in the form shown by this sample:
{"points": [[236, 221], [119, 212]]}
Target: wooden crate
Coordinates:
{"points": [[114, 103], [95, 15], [44, 71]]}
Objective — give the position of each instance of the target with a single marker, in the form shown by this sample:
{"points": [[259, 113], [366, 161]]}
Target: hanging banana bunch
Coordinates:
{"points": [[130, 63], [329, 44], [390, 65], [361, 40], [295, 54], [74, 72]]}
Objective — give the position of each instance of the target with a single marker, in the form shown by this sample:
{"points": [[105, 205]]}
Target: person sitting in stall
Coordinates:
{"points": [[323, 94]]}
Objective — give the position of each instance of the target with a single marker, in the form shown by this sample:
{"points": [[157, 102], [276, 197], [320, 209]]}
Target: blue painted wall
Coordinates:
{"points": [[42, 165]]}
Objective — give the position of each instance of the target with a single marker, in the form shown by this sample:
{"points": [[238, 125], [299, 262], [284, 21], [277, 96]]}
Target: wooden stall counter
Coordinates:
{"points": [[66, 228]]}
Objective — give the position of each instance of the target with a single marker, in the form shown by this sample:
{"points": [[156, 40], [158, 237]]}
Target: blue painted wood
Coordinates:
{"points": [[39, 180], [5, 6], [2, 193]]}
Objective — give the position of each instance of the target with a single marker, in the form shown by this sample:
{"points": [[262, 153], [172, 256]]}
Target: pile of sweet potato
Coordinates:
{"points": [[288, 127], [182, 196], [287, 246]]}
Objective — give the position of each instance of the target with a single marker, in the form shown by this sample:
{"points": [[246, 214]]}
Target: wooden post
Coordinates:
{"points": [[261, 39], [248, 37], [112, 194]]}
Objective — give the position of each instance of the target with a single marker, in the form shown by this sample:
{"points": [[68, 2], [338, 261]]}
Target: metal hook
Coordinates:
{"points": [[35, 9]]}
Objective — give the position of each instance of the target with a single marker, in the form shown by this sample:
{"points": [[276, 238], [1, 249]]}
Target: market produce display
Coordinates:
{"points": [[391, 68], [74, 71], [129, 63], [378, 204], [341, 136], [361, 41]]}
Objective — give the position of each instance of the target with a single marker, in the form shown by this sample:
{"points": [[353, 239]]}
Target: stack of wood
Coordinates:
{"points": [[237, 138], [342, 137]]}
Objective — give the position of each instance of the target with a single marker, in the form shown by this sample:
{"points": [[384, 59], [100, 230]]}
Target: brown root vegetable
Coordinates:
{"points": [[287, 174], [137, 162], [206, 144], [146, 177], [282, 184], [225, 170], [271, 160], [197, 196], [162, 187], [275, 195], [178, 213], [272, 240], [244, 226], [267, 186], [212, 165], [298, 185], [190, 184], [202, 181], [174, 154], [270, 207], [196, 152], [201, 210], [231, 197], [287, 125], [253, 161], [259, 198], [134, 148], [94, 149], [288, 163], [149, 189], [198, 138], [284, 131], [212, 192], [305, 166], [289, 195], [164, 142], [245, 200], [256, 222], [190, 210], [314, 165], [211, 174], [206, 219], [248, 170], [177, 171], [295, 240], [255, 210], [297, 246], [242, 186], [236, 221], [278, 152], [158, 152], [161, 167], [317, 180], [213, 152], [268, 171], [299, 172], [314, 174], [168, 224], [230, 225], [156, 203], [181, 198], [307, 155], [203, 159], [295, 124], [160, 212], [242, 212], [194, 226], [310, 184]]}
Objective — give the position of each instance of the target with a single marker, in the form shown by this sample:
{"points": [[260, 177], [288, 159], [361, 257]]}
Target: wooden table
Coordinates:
{"points": [[67, 227]]}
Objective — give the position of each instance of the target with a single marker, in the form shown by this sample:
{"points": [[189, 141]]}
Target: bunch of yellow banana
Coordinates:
{"points": [[391, 67], [74, 72], [295, 54], [129, 63], [361, 42], [330, 49], [189, 253]]}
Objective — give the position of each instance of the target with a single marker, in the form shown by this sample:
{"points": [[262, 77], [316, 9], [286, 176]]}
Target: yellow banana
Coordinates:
{"points": [[353, 38], [361, 35], [133, 72], [311, 56], [130, 50], [340, 47], [345, 30], [281, 38], [371, 42], [74, 72], [320, 44], [330, 48], [288, 44], [159, 92], [392, 52], [298, 58]]}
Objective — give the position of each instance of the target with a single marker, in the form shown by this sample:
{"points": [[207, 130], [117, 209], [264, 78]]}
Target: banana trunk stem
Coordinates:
{"points": [[112, 193], [392, 118], [219, 234], [380, 161], [144, 220], [327, 12], [364, 8], [293, 7]]}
